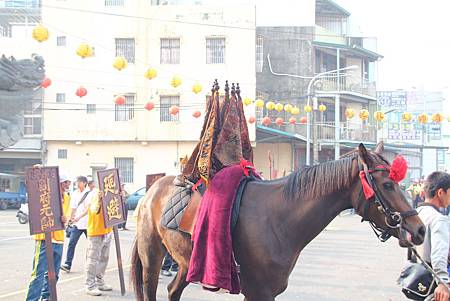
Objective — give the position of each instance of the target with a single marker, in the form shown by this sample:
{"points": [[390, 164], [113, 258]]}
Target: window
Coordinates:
{"points": [[5, 30], [60, 97], [259, 54], [61, 41], [215, 50], [114, 2], [126, 48], [33, 115], [91, 108], [62, 153], [125, 167], [165, 103], [170, 51], [125, 112]]}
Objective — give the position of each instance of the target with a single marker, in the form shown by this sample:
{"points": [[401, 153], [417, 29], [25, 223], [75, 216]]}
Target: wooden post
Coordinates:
{"points": [[119, 260], [50, 266]]}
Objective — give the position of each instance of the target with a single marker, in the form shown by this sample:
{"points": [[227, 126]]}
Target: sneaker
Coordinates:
{"points": [[65, 268], [105, 288], [93, 292], [166, 273], [174, 269]]}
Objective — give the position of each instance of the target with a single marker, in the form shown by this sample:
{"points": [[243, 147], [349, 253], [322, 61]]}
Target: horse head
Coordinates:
{"points": [[379, 200]]}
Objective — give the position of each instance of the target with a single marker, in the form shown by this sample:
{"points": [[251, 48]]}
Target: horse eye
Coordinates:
{"points": [[388, 186]]}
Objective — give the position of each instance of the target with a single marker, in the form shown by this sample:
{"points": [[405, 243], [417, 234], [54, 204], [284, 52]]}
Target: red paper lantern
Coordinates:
{"points": [[303, 120], [149, 106], [46, 82], [266, 121], [292, 120], [81, 92], [174, 110], [120, 100], [196, 114], [279, 121], [251, 119]]}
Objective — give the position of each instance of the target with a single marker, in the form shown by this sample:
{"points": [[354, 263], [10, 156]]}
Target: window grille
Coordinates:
{"points": [[126, 169], [259, 62], [61, 41], [125, 112], [91, 108], [126, 48], [60, 97], [62, 153], [215, 50], [170, 51], [165, 103], [114, 2]]}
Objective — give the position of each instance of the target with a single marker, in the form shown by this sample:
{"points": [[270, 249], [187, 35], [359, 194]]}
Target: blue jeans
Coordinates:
{"points": [[75, 234], [39, 286]]}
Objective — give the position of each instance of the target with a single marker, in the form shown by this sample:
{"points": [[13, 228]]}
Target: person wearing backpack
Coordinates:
{"points": [[435, 248], [79, 203]]}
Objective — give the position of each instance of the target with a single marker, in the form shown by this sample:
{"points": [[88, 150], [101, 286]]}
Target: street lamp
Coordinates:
{"points": [[308, 114]]}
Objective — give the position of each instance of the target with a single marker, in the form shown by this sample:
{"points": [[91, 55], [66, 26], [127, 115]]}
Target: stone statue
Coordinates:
{"points": [[19, 80]]}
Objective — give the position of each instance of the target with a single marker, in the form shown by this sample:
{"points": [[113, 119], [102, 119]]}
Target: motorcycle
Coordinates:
{"points": [[22, 214]]}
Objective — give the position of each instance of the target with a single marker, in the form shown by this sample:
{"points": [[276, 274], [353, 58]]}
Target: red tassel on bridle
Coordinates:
{"points": [[367, 189]]}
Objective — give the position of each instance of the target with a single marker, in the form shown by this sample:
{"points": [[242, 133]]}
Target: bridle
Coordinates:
{"points": [[393, 218]]}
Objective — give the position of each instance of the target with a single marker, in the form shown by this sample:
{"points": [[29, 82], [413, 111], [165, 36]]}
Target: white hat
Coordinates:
{"points": [[63, 178]]}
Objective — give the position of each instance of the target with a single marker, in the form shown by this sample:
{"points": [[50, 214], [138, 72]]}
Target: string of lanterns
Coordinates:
{"points": [[84, 50]]}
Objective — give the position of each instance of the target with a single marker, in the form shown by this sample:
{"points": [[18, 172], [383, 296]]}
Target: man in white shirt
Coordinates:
{"points": [[435, 248], [79, 202]]}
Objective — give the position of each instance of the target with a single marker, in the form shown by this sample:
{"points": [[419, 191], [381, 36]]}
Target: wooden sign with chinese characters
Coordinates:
{"points": [[150, 179], [44, 199], [112, 203]]}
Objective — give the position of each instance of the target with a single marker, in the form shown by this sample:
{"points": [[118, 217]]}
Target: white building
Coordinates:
{"points": [[196, 43]]}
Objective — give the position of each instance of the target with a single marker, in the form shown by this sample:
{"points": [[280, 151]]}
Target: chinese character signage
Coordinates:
{"points": [[392, 99], [44, 199], [112, 204]]}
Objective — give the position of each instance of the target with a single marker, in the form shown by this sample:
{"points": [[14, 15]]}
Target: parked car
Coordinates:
{"points": [[134, 198], [12, 191]]}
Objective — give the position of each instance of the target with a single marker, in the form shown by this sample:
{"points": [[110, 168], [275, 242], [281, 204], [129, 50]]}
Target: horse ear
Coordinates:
{"points": [[363, 154], [379, 149]]}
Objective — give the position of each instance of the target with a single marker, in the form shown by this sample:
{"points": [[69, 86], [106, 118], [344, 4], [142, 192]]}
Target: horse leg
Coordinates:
{"points": [[152, 256], [178, 284]]}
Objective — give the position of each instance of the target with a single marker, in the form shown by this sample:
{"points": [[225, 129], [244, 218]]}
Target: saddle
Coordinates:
{"points": [[180, 212]]}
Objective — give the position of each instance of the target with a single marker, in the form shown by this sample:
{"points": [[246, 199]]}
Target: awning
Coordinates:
{"points": [[270, 135], [352, 49]]}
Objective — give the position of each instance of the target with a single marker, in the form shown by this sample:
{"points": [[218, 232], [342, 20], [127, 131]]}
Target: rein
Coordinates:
{"points": [[393, 219]]}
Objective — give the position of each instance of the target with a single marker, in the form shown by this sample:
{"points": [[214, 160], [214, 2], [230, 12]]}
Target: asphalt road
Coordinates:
{"points": [[346, 262]]}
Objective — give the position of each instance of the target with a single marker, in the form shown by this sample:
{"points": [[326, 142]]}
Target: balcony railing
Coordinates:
{"points": [[326, 131], [345, 82], [348, 131]]}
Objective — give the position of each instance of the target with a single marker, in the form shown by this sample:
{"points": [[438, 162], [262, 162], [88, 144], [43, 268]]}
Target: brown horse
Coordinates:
{"points": [[277, 220]]}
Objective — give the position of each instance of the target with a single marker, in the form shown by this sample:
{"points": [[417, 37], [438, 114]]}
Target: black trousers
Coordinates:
{"points": [[169, 263]]}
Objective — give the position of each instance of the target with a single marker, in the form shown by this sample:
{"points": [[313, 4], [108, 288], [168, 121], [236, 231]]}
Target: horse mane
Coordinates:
{"points": [[320, 180]]}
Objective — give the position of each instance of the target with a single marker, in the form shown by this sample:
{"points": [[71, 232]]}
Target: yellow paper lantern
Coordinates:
{"points": [[422, 118], [349, 113], [437, 118], [295, 111], [279, 107], [120, 63], [176, 81], [40, 33], [406, 116], [270, 105], [363, 114], [247, 101], [322, 108], [307, 109], [288, 108], [84, 50], [259, 103], [379, 116], [197, 88], [151, 73]]}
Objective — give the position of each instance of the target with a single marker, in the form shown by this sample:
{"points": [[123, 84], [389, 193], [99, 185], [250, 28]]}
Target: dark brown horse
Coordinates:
{"points": [[277, 220]]}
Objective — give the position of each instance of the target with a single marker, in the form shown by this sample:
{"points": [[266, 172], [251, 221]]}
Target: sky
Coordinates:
{"points": [[413, 36]]}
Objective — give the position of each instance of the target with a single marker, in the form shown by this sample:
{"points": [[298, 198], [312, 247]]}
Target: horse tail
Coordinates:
{"points": [[136, 273]]}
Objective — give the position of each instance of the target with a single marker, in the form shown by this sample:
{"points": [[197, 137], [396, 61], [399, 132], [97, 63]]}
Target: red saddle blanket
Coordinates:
{"points": [[212, 262]]}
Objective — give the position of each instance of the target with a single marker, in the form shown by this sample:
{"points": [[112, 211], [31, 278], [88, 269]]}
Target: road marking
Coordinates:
{"points": [[60, 282], [15, 238]]}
